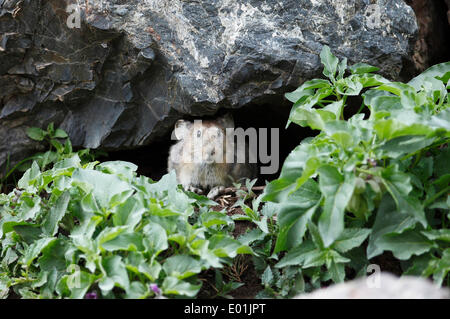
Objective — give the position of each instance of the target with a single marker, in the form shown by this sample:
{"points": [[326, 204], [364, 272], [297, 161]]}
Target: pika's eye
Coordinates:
{"points": [[199, 133]]}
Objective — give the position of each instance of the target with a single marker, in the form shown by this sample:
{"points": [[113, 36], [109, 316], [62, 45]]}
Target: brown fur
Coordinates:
{"points": [[210, 172]]}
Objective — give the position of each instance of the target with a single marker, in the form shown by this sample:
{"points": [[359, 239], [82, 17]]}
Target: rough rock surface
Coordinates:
{"points": [[133, 67], [390, 287]]}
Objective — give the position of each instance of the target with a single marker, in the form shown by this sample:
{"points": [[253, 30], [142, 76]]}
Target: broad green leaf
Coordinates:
{"points": [[116, 272], [224, 246], [75, 286], [128, 213], [403, 145], [181, 266], [68, 163], [161, 188], [381, 105], [87, 226], [362, 68], [125, 170], [337, 271], [442, 267], [388, 220], [437, 234], [306, 89], [311, 166], [127, 241], [30, 208], [251, 236], [56, 213], [213, 218], [399, 186], [310, 117], [53, 256], [120, 198], [279, 189], [439, 70], [343, 139], [267, 277], [335, 108], [36, 133], [158, 210], [31, 174], [337, 191], [329, 61], [262, 224], [200, 199], [137, 290], [368, 80], [104, 186], [396, 88], [342, 67], [35, 249], [8, 225], [68, 147], [174, 286], [315, 258], [315, 235], [155, 238], [138, 264], [108, 234], [59, 133], [297, 255], [59, 149], [200, 247], [350, 238], [292, 221], [28, 232], [418, 265], [350, 86], [406, 244]]}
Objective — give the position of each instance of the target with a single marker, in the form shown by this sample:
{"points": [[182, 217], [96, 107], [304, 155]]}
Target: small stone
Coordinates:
{"points": [[122, 11], [386, 286]]}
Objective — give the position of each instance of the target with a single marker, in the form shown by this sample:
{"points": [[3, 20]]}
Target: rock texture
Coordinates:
{"points": [[390, 287], [134, 67]]}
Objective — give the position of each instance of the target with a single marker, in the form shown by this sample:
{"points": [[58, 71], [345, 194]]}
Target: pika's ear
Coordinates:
{"points": [[226, 120], [181, 129]]}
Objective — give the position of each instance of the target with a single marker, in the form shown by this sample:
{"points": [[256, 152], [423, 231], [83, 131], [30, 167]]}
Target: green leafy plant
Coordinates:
{"points": [[59, 148], [101, 230], [373, 182], [224, 288]]}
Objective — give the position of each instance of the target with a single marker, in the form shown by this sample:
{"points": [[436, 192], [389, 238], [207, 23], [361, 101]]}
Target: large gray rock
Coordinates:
{"points": [[386, 286], [134, 67]]}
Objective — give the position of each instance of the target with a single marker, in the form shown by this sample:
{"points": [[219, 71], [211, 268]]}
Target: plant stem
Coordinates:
{"points": [[436, 196], [361, 108], [366, 171]]}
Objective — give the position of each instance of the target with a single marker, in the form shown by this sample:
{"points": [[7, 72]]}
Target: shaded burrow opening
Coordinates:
{"points": [[272, 114], [152, 159], [431, 46]]}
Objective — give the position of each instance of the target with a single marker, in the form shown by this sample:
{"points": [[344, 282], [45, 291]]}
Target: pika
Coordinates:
{"points": [[201, 157]]}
